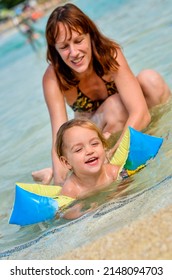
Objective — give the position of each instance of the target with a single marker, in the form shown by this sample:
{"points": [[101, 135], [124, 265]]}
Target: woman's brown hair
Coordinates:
{"points": [[104, 50]]}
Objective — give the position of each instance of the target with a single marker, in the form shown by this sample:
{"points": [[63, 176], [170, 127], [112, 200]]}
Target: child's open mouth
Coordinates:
{"points": [[92, 161]]}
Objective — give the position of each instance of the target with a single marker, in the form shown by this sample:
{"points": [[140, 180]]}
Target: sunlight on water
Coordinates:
{"points": [[144, 29]]}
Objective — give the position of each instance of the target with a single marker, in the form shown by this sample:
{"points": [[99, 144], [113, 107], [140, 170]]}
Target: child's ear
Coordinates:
{"points": [[65, 162]]}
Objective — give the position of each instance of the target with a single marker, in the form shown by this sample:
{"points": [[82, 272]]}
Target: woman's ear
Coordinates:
{"points": [[65, 162]]}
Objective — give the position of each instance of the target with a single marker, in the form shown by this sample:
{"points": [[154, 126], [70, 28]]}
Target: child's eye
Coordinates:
{"points": [[95, 143], [78, 150]]}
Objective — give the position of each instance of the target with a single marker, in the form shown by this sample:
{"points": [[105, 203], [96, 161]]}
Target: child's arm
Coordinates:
{"points": [[69, 189], [76, 211]]}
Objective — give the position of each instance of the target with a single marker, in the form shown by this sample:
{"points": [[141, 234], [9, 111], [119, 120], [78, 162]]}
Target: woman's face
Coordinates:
{"points": [[75, 50], [83, 151]]}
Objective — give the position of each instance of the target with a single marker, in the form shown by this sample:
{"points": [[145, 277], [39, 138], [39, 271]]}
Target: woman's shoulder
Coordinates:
{"points": [[49, 78], [49, 72]]}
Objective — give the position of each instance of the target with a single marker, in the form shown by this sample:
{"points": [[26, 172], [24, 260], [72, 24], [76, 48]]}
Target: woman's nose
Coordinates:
{"points": [[73, 50]]}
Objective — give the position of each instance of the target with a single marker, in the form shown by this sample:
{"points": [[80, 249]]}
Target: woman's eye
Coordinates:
{"points": [[63, 47], [78, 41]]}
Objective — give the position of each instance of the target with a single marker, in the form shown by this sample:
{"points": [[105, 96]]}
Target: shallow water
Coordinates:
{"points": [[144, 30]]}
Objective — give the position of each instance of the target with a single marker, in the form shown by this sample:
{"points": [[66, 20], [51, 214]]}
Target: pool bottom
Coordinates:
{"points": [[148, 238]]}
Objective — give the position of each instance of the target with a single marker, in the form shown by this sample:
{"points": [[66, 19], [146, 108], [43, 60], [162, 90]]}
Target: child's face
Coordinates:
{"points": [[83, 150]]}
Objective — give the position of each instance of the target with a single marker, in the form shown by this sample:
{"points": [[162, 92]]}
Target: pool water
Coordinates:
{"points": [[144, 29]]}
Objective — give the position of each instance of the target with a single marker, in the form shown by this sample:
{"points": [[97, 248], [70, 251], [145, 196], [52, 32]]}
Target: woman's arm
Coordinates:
{"points": [[132, 97], [58, 115]]}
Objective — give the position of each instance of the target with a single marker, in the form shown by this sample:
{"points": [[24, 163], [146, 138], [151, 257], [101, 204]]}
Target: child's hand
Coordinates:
{"points": [[76, 211], [93, 206]]}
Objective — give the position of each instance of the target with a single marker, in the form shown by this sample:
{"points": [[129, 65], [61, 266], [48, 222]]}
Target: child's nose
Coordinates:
{"points": [[89, 149]]}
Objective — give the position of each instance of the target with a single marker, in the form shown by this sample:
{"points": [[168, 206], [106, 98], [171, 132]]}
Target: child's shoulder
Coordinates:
{"points": [[116, 171], [113, 170], [69, 189]]}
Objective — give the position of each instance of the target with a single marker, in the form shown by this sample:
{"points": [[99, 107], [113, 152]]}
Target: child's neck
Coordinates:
{"points": [[92, 180]]}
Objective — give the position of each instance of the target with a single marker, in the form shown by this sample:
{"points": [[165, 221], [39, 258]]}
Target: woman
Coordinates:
{"points": [[90, 73]]}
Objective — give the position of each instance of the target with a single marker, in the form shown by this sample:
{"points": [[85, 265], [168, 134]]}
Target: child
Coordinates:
{"points": [[81, 147]]}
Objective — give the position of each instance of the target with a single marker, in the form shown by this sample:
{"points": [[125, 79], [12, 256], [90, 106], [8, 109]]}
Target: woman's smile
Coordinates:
{"points": [[77, 61]]}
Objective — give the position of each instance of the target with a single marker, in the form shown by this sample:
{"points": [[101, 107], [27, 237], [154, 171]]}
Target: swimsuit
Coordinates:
{"points": [[84, 104]]}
